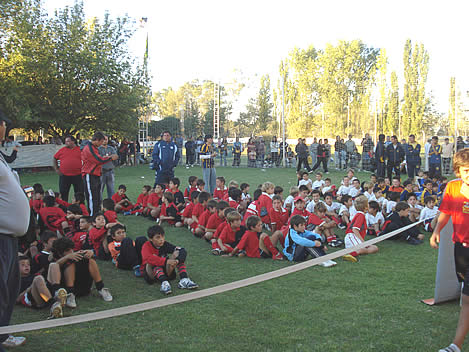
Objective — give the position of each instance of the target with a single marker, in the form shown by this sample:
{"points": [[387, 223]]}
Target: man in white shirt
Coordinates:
{"points": [[447, 149]]}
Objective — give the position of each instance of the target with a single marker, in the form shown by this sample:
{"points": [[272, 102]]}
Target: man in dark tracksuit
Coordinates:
{"points": [[395, 156], [14, 215], [91, 171], [165, 158], [302, 153], [380, 156], [412, 157]]}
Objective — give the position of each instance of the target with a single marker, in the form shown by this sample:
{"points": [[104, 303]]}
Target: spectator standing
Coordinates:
{"points": [[367, 152], [350, 148], [190, 152], [123, 151], [322, 156], [237, 150], [107, 173], [301, 151], [434, 158], [427, 150], [207, 156], [179, 143], [313, 151], [70, 167], [260, 150], [412, 157], [337, 151], [198, 144], [395, 156], [446, 154], [10, 142], [388, 141], [380, 156], [274, 149], [460, 144], [251, 153], [14, 212], [165, 158], [223, 150], [91, 171]]}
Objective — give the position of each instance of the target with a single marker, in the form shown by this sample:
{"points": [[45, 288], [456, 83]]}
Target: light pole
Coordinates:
{"points": [[283, 122]]}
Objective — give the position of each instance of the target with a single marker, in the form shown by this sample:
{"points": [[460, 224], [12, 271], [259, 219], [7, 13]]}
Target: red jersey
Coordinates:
{"points": [[264, 204], [92, 161], [62, 202], [187, 213], [96, 237], [188, 191], [315, 220], [359, 223], [36, 204], [250, 243], [278, 218], [219, 229], [84, 210], [306, 214], [203, 218], [214, 221], [228, 235], [250, 211], [52, 218], [156, 256], [154, 199], [142, 199], [79, 238], [198, 210], [116, 197], [398, 189], [111, 216], [70, 160], [232, 203], [456, 205], [219, 193]]}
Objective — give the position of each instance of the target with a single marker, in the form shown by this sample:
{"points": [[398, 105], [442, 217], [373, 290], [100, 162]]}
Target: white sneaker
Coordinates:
{"points": [[187, 283], [56, 310], [450, 348], [61, 296], [165, 288], [71, 303], [328, 263], [13, 341], [106, 294]]}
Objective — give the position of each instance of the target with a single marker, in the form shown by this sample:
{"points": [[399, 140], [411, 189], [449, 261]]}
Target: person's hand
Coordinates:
{"points": [[16, 149], [435, 239], [114, 157], [75, 256], [70, 216], [317, 243], [58, 172], [172, 262], [88, 254]]}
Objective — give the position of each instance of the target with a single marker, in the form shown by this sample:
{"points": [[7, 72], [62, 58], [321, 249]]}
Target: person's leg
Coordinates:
{"points": [[411, 170], [39, 290], [77, 183], [390, 166], [324, 164], [64, 186], [206, 177], [397, 169], [9, 280], [128, 255], [213, 180]]}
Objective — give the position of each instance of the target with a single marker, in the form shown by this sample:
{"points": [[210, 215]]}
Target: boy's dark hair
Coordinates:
{"points": [[380, 180], [428, 199], [303, 188], [117, 227], [345, 198], [212, 203], [372, 175], [227, 211], [278, 190], [328, 179], [373, 205], [235, 194], [407, 182], [38, 188], [155, 230], [200, 182], [47, 235], [277, 197], [23, 257], [315, 191], [252, 221], [61, 245], [410, 194], [328, 194], [304, 173], [243, 186], [147, 188], [162, 186], [356, 180], [88, 219], [222, 205], [397, 178], [195, 195], [175, 181], [221, 178], [98, 136], [99, 214], [79, 197], [426, 173], [192, 179], [401, 206], [75, 209], [169, 196], [109, 204], [297, 220], [49, 201], [207, 137], [204, 196], [320, 207], [257, 193], [394, 196], [426, 182], [122, 187]]}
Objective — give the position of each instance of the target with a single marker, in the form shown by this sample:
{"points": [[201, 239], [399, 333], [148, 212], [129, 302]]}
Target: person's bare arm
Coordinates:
{"points": [[55, 166], [442, 221]]}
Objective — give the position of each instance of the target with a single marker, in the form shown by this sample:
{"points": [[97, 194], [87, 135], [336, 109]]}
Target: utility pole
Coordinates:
{"points": [[283, 123], [216, 111]]}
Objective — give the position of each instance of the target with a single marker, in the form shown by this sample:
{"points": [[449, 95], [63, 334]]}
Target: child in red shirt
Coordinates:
{"points": [[203, 218], [220, 191], [254, 243], [52, 216], [215, 220], [191, 188], [265, 201], [141, 204], [174, 184], [98, 236], [198, 209], [278, 215], [123, 203], [187, 213], [154, 202], [169, 211], [231, 234], [81, 236], [234, 200], [108, 208], [36, 202]]}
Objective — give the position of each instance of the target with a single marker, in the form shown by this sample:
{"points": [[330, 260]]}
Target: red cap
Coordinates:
{"points": [[297, 198]]}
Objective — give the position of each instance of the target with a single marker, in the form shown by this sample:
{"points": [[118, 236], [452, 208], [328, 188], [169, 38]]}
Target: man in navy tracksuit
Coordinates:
{"points": [[165, 158], [395, 156], [412, 157]]}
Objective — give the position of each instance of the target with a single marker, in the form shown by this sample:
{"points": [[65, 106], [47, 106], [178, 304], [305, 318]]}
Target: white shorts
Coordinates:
{"points": [[351, 240]]}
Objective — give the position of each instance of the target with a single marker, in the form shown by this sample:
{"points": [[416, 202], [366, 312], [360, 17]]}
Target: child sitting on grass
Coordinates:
{"points": [[122, 202], [154, 202], [305, 180], [231, 235], [430, 214], [52, 216], [288, 204], [126, 254], [108, 210], [374, 219], [198, 209], [278, 215], [142, 200], [173, 186], [186, 216], [160, 259], [169, 211], [264, 203], [398, 219], [191, 188], [254, 243], [81, 237], [300, 243], [215, 220], [344, 211], [245, 192], [415, 208], [356, 231], [99, 236], [220, 192], [203, 218]]}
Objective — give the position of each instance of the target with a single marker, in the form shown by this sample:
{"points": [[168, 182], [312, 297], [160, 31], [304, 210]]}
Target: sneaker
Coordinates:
{"points": [[450, 348], [350, 258], [13, 341], [71, 303], [342, 226], [216, 251], [127, 213], [328, 263], [56, 310], [137, 271], [106, 294], [165, 288], [413, 241], [61, 296], [187, 283], [279, 256]]}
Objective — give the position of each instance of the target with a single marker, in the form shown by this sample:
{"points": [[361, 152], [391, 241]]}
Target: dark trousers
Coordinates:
{"points": [[393, 165], [65, 182], [412, 170], [434, 169], [190, 158], [130, 254], [446, 166], [303, 161], [9, 280], [301, 253], [236, 159], [348, 159], [380, 169], [93, 193], [320, 160]]}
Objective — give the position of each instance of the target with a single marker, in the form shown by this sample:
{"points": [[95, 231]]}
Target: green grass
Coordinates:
{"points": [[370, 306]]}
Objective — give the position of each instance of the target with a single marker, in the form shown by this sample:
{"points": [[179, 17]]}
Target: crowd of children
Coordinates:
{"points": [[59, 252]]}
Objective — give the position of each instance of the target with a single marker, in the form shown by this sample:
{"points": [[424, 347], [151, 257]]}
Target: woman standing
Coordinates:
{"points": [[251, 153], [223, 150], [274, 150]]}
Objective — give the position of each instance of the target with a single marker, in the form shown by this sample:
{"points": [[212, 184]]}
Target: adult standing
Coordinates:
{"points": [[434, 158], [179, 143], [107, 173], [198, 144], [223, 150], [14, 212], [91, 171], [190, 152], [337, 151], [207, 157], [274, 150], [395, 156], [165, 158], [426, 147], [460, 144], [447, 149], [313, 150], [412, 157], [251, 153], [322, 156], [367, 152], [350, 148], [237, 150], [260, 150], [301, 151], [70, 167], [380, 156], [123, 151]]}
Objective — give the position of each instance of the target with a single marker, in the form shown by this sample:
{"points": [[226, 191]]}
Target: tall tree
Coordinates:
{"points": [[382, 66], [393, 123]]}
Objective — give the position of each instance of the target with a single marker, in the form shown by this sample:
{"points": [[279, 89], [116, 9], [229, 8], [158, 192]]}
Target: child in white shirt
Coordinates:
{"points": [[319, 183], [315, 200], [368, 190], [429, 214], [355, 190], [374, 218], [393, 199], [415, 208], [305, 180], [344, 188], [288, 204], [344, 211]]}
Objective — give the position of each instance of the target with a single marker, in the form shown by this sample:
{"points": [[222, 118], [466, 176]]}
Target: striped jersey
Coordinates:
{"points": [[207, 149]]}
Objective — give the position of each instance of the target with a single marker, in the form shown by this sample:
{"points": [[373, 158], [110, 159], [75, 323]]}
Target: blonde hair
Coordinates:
{"points": [[294, 190], [233, 183], [361, 203], [461, 159], [233, 216], [367, 186], [267, 185]]}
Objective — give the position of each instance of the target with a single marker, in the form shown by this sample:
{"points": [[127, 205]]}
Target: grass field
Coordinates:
{"points": [[369, 306]]}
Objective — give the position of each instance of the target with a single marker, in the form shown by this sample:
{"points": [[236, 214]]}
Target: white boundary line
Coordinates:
{"points": [[110, 313]]}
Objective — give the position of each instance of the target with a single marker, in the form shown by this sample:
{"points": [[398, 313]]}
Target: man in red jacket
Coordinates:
{"points": [[91, 171], [70, 167]]}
